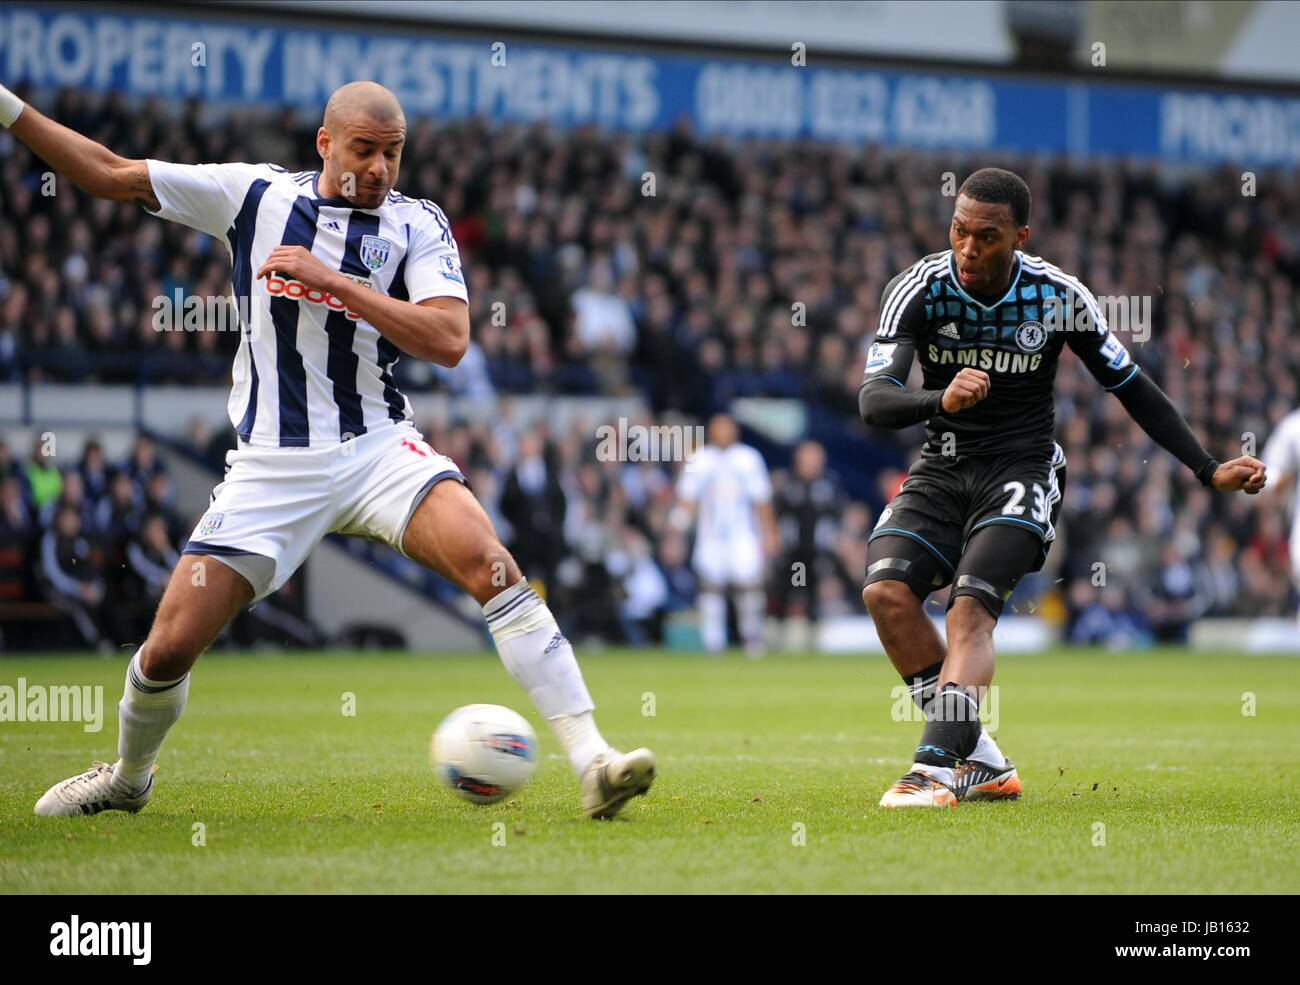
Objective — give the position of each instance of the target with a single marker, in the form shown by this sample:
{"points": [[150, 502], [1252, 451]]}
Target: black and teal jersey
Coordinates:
{"points": [[926, 314]]}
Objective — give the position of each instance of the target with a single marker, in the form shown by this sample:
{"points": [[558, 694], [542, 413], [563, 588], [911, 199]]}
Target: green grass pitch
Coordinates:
{"points": [[769, 777]]}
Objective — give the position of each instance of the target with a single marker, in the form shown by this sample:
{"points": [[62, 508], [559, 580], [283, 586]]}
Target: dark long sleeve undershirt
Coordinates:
{"points": [[884, 404], [1147, 404]]}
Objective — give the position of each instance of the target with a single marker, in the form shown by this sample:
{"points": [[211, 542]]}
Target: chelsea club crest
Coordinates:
{"points": [[1031, 336], [374, 251]]}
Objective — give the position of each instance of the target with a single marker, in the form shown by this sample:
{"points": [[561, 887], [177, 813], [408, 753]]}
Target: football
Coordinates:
{"points": [[484, 752]]}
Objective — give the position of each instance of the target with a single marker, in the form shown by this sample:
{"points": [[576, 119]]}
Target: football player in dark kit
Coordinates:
{"points": [[988, 324]]}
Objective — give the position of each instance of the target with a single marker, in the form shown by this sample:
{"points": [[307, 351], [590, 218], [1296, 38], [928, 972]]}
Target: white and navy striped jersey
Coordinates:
{"points": [[1281, 457], [308, 372], [727, 485]]}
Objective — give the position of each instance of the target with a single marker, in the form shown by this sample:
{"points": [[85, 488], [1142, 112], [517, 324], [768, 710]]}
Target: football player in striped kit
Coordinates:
{"points": [[1281, 456], [335, 273], [978, 510]]}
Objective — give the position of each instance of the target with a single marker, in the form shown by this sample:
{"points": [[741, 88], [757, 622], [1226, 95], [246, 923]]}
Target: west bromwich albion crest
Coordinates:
{"points": [[374, 251]]}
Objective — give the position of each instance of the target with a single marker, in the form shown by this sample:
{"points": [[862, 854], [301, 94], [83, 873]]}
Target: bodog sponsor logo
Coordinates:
{"points": [[294, 290]]}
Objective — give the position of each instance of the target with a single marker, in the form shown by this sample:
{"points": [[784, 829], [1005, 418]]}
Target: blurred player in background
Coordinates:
{"points": [[335, 273], [1281, 457], [978, 511], [726, 486], [810, 505]]}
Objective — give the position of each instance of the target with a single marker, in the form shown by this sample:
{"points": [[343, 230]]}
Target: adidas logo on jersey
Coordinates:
{"points": [[949, 331]]}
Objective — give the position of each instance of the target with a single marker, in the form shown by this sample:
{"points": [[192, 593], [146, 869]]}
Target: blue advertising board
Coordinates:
{"points": [[276, 63]]}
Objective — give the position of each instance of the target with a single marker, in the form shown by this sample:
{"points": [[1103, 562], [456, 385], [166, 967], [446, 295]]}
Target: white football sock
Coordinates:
{"points": [[148, 709], [750, 605], [941, 773], [987, 751], [580, 738], [541, 660], [713, 620]]}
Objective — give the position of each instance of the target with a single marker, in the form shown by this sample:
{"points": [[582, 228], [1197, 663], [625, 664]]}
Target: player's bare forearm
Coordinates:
{"points": [[435, 329], [90, 166]]}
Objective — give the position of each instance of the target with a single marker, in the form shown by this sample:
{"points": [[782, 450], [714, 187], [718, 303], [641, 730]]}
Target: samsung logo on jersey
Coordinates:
{"points": [[998, 360]]}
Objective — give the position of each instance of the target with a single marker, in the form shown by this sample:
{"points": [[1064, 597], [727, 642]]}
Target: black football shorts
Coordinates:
{"points": [[977, 523]]}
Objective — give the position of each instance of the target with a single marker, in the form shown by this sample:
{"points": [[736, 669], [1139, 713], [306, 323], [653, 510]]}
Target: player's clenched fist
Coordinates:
{"points": [[967, 388], [1244, 473]]}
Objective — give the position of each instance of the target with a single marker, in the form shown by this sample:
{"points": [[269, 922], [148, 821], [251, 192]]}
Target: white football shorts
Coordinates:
{"points": [[276, 504], [737, 562]]}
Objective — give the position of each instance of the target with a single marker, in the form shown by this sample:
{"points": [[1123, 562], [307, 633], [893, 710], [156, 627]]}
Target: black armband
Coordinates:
{"points": [[883, 403], [1158, 417]]}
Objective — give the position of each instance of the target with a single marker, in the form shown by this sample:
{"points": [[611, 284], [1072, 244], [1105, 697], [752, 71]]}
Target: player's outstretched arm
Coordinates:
{"points": [[1111, 366], [1147, 404], [90, 166]]}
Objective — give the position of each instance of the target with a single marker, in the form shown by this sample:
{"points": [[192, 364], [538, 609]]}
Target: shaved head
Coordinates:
{"points": [[362, 100], [360, 142]]}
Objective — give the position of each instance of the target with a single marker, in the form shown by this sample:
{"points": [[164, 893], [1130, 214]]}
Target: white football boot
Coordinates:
{"points": [[613, 778], [918, 787], [91, 792]]}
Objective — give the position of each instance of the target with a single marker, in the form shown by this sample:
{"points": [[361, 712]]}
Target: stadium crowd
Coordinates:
{"points": [[95, 541], [694, 271]]}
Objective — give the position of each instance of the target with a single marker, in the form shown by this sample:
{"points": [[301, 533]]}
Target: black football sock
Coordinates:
{"points": [[924, 683], [952, 727]]}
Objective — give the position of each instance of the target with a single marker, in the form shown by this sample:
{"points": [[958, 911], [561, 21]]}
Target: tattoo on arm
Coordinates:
{"points": [[140, 188]]}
